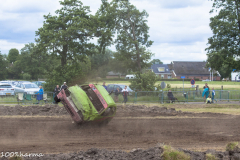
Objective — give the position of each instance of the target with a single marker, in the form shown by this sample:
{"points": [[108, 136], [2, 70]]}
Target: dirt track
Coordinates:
{"points": [[133, 127]]}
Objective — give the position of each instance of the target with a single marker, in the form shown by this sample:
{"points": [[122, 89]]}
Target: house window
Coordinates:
{"points": [[162, 76], [161, 69], [169, 76]]}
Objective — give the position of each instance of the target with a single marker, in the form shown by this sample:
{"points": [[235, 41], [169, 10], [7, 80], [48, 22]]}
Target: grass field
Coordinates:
{"points": [[179, 84]]}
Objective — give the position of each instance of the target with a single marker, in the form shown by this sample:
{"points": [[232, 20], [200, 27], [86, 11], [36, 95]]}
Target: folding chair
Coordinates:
{"points": [[28, 97], [20, 97], [45, 97]]}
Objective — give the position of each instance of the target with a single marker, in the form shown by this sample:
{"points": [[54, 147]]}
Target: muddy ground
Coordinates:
{"points": [[49, 129]]}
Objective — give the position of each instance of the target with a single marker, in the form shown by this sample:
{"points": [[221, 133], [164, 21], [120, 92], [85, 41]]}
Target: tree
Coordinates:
{"points": [[224, 47], [67, 35], [144, 82], [132, 33], [3, 66], [156, 61], [12, 55]]}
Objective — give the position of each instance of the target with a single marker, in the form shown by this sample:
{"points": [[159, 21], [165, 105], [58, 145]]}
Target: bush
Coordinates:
{"points": [[232, 146], [170, 154], [144, 82], [209, 156], [26, 76], [168, 85], [15, 158]]}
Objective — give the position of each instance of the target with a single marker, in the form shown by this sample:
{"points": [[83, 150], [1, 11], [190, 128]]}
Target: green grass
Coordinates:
{"points": [[213, 108], [209, 156], [179, 84], [232, 146], [170, 154]]}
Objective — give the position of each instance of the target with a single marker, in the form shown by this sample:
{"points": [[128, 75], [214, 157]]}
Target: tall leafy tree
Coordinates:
{"points": [[3, 67], [156, 61], [224, 46], [132, 32], [68, 35], [13, 55]]}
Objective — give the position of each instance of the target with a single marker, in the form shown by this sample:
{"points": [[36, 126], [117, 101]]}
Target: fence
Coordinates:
{"points": [[135, 97], [22, 98], [179, 96]]}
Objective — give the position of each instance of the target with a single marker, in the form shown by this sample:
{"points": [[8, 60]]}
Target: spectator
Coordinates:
{"points": [[40, 94], [171, 97], [117, 92], [205, 92], [104, 85], [125, 93], [209, 100], [64, 86], [56, 90], [213, 95]]}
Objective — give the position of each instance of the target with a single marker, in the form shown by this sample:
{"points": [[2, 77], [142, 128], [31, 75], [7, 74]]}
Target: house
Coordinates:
{"points": [[115, 75], [192, 70], [161, 70], [235, 76]]}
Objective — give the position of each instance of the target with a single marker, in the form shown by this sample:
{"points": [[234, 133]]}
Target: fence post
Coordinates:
{"points": [[187, 97], [135, 98], [162, 95], [220, 95], [228, 96]]}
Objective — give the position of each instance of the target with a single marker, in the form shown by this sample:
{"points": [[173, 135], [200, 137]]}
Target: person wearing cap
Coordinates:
{"points": [[64, 86]]}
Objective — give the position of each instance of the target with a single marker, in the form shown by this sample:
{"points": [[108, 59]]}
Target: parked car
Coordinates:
{"points": [[113, 88], [205, 80], [39, 83], [6, 89], [130, 77], [27, 88]]}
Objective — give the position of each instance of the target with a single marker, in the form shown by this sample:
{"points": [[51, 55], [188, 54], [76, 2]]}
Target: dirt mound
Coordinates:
{"points": [[54, 110], [47, 110], [142, 110], [154, 153], [122, 111]]}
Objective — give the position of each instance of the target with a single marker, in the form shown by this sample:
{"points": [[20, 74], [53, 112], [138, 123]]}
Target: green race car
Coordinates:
{"points": [[88, 103]]}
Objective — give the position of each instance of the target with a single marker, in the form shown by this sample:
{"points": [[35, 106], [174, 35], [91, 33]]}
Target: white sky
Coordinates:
{"points": [[179, 29]]}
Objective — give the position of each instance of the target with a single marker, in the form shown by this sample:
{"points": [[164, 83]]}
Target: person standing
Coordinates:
{"points": [[125, 94], [213, 95], [40, 94], [206, 92], [104, 85], [56, 90], [64, 86], [117, 92]]}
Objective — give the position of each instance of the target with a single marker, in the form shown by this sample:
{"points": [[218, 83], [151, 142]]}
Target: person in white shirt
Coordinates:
{"points": [[125, 94]]}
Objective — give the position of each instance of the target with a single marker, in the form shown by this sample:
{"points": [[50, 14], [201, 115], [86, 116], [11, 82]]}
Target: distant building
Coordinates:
{"points": [[115, 75], [161, 70], [235, 76], [192, 70], [189, 69]]}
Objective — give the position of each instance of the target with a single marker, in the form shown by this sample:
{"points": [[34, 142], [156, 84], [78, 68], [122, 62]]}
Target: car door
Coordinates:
{"points": [[22, 89], [17, 88], [110, 88], [115, 88]]}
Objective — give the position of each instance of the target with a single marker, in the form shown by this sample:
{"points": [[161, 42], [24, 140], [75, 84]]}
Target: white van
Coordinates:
{"points": [[130, 76]]}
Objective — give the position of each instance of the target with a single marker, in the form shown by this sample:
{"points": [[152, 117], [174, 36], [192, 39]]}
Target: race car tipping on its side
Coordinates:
{"points": [[87, 103]]}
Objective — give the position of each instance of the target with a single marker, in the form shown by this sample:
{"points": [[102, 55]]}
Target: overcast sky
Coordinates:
{"points": [[179, 29]]}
